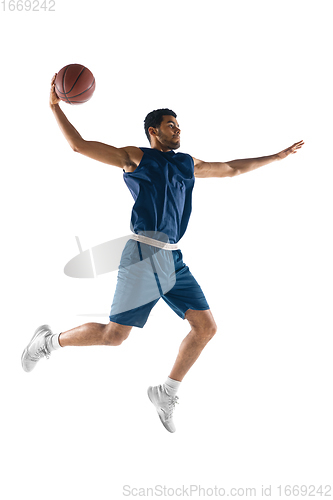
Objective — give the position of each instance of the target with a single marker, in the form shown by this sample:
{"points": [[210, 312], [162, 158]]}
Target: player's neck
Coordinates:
{"points": [[155, 144]]}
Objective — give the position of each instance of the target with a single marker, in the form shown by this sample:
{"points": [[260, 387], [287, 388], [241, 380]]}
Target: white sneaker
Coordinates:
{"points": [[38, 347], [164, 405]]}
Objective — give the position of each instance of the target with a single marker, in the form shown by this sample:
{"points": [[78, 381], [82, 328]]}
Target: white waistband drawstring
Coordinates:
{"points": [[154, 243]]}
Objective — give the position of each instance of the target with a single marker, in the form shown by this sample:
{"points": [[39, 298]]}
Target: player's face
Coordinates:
{"points": [[169, 132]]}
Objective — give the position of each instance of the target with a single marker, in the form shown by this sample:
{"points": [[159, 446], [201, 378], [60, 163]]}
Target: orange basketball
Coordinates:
{"points": [[74, 84]]}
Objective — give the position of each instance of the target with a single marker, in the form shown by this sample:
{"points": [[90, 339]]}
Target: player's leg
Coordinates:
{"points": [[203, 328], [164, 397], [112, 334], [45, 341], [188, 301]]}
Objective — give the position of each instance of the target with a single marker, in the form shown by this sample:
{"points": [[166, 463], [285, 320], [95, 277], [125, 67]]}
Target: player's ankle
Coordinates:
{"points": [[171, 386], [54, 341]]}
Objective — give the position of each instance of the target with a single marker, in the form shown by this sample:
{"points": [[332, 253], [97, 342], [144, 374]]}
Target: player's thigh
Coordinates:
{"points": [[187, 295]]}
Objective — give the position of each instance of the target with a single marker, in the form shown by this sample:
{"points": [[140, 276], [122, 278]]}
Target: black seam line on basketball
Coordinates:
{"points": [[63, 82], [78, 102], [77, 95], [83, 91], [76, 81]]}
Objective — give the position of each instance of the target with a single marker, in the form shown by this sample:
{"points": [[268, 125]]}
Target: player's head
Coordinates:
{"points": [[163, 126]]}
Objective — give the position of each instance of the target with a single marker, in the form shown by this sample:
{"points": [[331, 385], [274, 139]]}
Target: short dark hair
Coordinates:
{"points": [[155, 118]]}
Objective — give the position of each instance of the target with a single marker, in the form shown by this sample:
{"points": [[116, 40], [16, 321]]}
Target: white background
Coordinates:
{"points": [[246, 79]]}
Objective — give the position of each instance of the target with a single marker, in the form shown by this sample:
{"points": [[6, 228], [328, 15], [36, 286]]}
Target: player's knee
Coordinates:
{"points": [[202, 323], [114, 334], [211, 329], [207, 330]]}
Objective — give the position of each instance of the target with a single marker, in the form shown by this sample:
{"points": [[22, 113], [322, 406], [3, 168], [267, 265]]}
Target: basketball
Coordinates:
{"points": [[74, 84]]}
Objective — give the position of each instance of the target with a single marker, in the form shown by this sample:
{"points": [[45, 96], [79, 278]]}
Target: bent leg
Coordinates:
{"points": [[95, 334], [203, 329]]}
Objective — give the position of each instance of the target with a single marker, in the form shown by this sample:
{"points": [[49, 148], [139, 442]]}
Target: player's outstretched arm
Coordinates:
{"points": [[236, 167], [127, 158]]}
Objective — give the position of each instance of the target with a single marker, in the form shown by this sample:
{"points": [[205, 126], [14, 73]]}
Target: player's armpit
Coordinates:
{"points": [[213, 169]]}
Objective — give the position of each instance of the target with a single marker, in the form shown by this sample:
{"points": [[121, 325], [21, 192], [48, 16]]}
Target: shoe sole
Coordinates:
{"points": [[159, 411], [38, 331]]}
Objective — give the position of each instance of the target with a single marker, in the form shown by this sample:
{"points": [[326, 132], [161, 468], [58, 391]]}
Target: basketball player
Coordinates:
{"points": [[161, 182]]}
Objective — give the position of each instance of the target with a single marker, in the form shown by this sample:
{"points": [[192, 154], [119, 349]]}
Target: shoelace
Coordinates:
{"points": [[42, 351], [172, 403]]}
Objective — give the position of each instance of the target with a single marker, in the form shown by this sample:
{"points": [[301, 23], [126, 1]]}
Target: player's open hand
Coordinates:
{"points": [[291, 150], [54, 99]]}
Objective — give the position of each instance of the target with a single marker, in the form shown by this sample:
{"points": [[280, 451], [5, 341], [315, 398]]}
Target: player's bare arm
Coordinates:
{"points": [[236, 167], [126, 158]]}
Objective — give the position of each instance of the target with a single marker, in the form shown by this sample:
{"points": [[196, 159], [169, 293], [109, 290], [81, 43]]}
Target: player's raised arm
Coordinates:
{"points": [[236, 167], [127, 158]]}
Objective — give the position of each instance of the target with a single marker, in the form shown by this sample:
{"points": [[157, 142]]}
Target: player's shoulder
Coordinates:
{"points": [[186, 157], [134, 156], [132, 150]]}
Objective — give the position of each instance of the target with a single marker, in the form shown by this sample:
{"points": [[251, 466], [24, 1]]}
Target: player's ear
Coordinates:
{"points": [[152, 130]]}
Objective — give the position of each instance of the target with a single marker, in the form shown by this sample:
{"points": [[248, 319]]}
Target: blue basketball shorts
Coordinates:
{"points": [[145, 275]]}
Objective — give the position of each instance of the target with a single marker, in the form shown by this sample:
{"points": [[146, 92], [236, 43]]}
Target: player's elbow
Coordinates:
{"points": [[231, 170], [76, 146], [234, 171]]}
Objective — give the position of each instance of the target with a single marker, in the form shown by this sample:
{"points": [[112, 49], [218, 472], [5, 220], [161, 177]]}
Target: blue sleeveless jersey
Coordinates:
{"points": [[162, 187]]}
